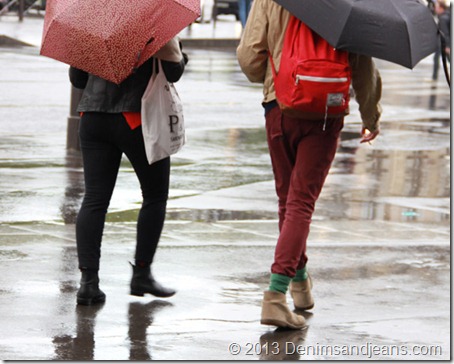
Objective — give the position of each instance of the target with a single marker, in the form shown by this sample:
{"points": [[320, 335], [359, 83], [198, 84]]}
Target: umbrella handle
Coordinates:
{"points": [[444, 58]]}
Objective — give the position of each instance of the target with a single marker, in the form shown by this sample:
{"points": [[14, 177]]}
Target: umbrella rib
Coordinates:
{"points": [[188, 8], [341, 30], [407, 33], [345, 24]]}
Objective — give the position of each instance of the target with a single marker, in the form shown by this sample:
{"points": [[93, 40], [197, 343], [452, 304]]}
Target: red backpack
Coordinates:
{"points": [[313, 81]]}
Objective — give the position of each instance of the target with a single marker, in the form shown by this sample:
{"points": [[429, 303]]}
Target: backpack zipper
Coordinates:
{"points": [[319, 79]]}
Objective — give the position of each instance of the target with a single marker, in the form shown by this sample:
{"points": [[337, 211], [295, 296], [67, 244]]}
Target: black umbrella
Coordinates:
{"points": [[399, 31]]}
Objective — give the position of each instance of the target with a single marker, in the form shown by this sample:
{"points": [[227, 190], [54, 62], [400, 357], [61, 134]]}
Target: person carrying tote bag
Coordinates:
{"points": [[110, 126]]}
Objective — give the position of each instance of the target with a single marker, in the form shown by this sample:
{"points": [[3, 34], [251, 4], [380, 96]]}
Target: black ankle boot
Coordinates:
{"points": [[89, 292], [143, 282]]}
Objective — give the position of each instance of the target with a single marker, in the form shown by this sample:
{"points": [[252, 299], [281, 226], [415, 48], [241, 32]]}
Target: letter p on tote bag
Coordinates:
{"points": [[162, 118]]}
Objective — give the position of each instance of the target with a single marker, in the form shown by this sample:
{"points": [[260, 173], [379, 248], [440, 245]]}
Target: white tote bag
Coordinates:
{"points": [[162, 118]]}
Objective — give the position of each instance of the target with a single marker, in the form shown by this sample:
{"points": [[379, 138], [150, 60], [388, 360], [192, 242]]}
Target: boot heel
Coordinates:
{"points": [[137, 293], [90, 301], [85, 301], [275, 312], [143, 282]]}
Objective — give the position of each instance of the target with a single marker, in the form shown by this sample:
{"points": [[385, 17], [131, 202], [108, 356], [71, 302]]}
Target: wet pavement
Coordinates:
{"points": [[379, 248]]}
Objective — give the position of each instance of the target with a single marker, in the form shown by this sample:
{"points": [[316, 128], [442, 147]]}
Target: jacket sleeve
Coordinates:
{"points": [[252, 52], [77, 77], [173, 70], [366, 82]]}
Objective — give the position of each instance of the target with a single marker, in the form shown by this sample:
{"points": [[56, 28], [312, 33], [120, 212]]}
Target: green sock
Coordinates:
{"points": [[279, 283], [301, 275]]}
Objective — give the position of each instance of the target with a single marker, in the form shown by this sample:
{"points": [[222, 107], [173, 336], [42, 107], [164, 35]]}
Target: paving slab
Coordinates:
{"points": [[378, 294]]}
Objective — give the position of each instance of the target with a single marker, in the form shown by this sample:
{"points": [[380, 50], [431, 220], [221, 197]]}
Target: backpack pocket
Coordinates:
{"points": [[321, 87]]}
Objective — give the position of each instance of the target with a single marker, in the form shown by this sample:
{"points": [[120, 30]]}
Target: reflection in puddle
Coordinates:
{"points": [[140, 317], [74, 188], [405, 177], [281, 344], [82, 346], [203, 215], [396, 180], [218, 215], [409, 160]]}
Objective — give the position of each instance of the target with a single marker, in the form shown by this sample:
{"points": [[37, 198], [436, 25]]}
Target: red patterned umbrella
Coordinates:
{"points": [[109, 38]]}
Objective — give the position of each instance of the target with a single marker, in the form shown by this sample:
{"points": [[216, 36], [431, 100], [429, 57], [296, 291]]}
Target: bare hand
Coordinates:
{"points": [[367, 136]]}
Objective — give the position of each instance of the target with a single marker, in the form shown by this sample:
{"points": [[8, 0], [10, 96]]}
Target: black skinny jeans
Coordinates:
{"points": [[104, 138]]}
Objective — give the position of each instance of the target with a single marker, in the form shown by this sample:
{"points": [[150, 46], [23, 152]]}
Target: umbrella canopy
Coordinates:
{"points": [[109, 38], [399, 31]]}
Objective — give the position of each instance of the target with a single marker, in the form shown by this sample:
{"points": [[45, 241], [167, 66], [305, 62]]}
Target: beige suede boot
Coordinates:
{"points": [[302, 295], [275, 312]]}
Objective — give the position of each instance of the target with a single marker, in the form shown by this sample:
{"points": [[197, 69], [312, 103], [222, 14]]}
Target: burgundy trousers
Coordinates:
{"points": [[301, 155]]}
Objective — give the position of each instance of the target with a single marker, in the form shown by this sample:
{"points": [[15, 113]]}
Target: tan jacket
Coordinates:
{"points": [[265, 30]]}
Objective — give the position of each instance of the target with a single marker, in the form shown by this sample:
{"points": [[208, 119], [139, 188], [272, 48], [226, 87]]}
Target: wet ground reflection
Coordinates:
{"points": [[82, 346], [74, 188], [140, 316], [282, 344], [406, 176], [403, 176], [218, 215]]}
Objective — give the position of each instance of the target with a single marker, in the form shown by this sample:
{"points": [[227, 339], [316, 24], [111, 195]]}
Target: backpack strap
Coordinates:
{"points": [[273, 68], [292, 19]]}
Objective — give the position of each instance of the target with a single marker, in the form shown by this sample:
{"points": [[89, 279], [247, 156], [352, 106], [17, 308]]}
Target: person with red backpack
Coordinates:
{"points": [[306, 94]]}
